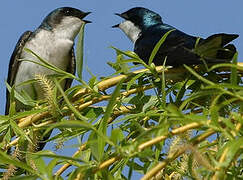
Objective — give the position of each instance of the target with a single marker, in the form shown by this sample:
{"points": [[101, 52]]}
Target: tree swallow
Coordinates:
{"points": [[145, 28], [53, 41]]}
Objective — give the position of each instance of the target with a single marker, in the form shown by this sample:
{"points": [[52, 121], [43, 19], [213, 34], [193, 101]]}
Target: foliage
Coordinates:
{"points": [[159, 122]]}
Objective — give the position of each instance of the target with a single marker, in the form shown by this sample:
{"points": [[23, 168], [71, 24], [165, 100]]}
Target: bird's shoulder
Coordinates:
{"points": [[159, 28], [14, 63], [177, 41], [157, 31], [176, 37]]}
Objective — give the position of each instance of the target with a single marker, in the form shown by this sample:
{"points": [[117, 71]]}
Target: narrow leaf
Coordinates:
{"points": [[80, 51], [157, 46]]}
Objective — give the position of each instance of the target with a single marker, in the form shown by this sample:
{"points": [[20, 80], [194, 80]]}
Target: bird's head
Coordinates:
{"points": [[65, 20], [136, 20]]}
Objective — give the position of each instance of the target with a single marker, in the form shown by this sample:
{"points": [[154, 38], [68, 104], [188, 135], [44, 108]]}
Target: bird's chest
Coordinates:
{"points": [[54, 50], [47, 46]]}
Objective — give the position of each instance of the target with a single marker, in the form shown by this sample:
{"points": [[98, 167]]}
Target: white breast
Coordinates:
{"points": [[132, 31], [52, 49]]}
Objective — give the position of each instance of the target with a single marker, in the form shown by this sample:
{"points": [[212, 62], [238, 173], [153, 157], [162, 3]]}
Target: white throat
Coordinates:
{"points": [[129, 28], [68, 28]]}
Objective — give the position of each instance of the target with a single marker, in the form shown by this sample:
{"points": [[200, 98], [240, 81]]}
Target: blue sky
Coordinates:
{"points": [[199, 18]]}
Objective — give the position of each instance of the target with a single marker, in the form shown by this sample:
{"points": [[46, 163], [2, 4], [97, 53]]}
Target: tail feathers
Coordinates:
{"points": [[215, 48], [219, 40], [227, 52]]}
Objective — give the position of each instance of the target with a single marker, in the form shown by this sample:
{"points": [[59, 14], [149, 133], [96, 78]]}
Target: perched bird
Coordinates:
{"points": [[145, 28], [53, 41]]}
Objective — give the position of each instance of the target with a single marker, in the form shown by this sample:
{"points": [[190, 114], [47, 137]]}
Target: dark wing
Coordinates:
{"points": [[177, 47], [219, 40], [71, 69], [14, 64], [216, 48]]}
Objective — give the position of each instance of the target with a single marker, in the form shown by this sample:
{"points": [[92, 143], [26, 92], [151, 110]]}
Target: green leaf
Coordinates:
{"points": [[232, 147], [19, 96], [19, 131], [157, 46], [116, 135], [46, 64], [80, 51], [134, 56], [71, 107], [110, 106], [214, 109], [94, 146], [103, 125], [132, 81], [233, 75], [70, 124], [52, 155], [226, 65], [163, 104], [40, 164], [4, 158], [198, 76], [151, 102], [50, 167]]}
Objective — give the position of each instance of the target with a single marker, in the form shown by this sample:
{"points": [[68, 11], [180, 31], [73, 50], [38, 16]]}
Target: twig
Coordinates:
{"points": [[159, 139], [15, 141], [222, 158], [67, 165], [32, 119], [120, 111], [107, 163], [103, 85], [24, 122], [173, 132], [164, 163], [173, 74]]}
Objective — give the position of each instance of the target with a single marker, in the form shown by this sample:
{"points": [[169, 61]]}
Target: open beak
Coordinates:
{"points": [[86, 21], [115, 26], [84, 15], [123, 15], [120, 15]]}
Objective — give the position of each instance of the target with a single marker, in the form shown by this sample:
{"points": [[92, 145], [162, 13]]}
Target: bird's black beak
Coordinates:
{"points": [[84, 15], [123, 15], [86, 21], [115, 26], [118, 15]]}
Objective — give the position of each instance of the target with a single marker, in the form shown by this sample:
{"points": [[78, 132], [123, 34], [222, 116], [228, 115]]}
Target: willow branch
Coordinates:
{"points": [[142, 146], [164, 163], [173, 74], [173, 132], [24, 122], [224, 156], [107, 163], [122, 110], [15, 141], [67, 165]]}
